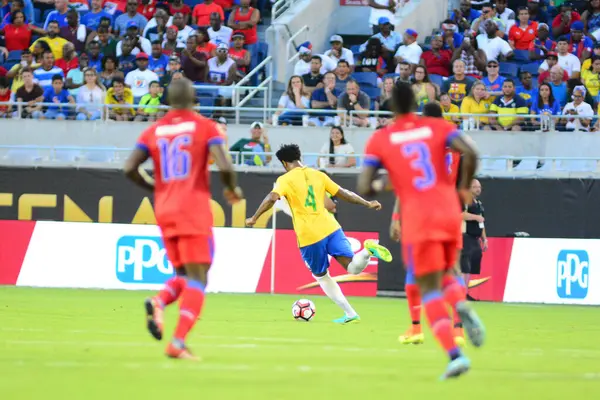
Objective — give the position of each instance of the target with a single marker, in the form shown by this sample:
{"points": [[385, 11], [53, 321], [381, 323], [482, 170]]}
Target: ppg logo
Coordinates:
{"points": [[142, 260], [572, 274]]}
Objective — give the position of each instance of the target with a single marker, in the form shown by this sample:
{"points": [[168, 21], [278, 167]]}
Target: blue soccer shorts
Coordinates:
{"points": [[316, 255]]}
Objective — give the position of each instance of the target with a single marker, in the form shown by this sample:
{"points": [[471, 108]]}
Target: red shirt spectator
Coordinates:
{"points": [[567, 28], [179, 6], [201, 13], [226, 4], [207, 48], [437, 60], [244, 20], [67, 65], [522, 38], [147, 10], [17, 35], [3, 71], [4, 97], [545, 77]]}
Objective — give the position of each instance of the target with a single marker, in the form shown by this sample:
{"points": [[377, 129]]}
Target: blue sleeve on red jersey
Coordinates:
{"points": [[216, 140], [142, 147], [451, 136], [372, 161]]}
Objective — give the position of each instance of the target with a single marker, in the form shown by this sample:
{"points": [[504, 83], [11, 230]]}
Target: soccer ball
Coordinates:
{"points": [[303, 310]]}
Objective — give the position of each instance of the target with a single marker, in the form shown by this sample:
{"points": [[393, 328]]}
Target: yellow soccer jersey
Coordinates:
{"points": [[304, 189]]}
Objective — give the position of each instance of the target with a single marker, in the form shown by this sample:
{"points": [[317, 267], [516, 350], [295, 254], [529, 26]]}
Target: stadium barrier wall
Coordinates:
{"points": [[133, 257], [125, 134], [550, 208]]}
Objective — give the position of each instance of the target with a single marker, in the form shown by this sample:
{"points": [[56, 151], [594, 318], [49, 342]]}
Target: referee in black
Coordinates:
{"points": [[474, 238]]}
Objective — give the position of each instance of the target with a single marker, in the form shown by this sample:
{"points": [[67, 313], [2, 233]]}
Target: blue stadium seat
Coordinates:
{"points": [[262, 50], [365, 78], [437, 79], [14, 55], [45, 16], [532, 68], [204, 92], [206, 102], [521, 55], [192, 3], [37, 15], [9, 64], [355, 49], [391, 76], [509, 69], [372, 92]]}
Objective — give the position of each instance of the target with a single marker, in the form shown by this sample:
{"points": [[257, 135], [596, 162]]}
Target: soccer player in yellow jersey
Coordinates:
{"points": [[319, 235]]}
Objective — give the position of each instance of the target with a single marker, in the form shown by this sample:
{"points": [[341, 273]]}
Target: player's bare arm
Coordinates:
{"points": [[466, 147], [232, 192], [330, 204], [265, 206], [353, 198], [367, 184], [135, 172], [395, 222]]}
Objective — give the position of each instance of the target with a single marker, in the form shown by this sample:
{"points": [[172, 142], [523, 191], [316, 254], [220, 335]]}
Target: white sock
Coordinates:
{"points": [[359, 262], [334, 292]]}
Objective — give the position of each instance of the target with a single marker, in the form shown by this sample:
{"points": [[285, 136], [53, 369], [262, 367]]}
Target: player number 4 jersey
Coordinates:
{"points": [[414, 152]]}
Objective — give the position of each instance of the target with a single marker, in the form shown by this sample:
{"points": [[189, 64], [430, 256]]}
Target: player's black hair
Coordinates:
{"points": [[403, 98], [432, 110], [289, 153]]}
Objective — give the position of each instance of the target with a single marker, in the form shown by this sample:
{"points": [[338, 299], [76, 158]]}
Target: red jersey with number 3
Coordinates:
{"points": [[413, 151], [179, 147]]}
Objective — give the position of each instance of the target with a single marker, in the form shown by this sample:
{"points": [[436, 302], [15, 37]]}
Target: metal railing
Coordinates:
{"points": [[290, 49], [280, 7], [265, 86]]}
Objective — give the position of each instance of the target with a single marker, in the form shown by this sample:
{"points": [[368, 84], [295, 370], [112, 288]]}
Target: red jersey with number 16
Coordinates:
{"points": [[413, 150], [179, 147]]}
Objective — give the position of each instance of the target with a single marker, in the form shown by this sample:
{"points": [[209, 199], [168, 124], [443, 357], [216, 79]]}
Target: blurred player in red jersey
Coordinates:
{"points": [[413, 150], [414, 334], [180, 144]]}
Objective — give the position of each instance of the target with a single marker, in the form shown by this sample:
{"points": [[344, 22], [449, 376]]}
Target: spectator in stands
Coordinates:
{"points": [[92, 18], [314, 79], [579, 45], [184, 31], [174, 66], [526, 89], [303, 64], [437, 60], [450, 36], [410, 52], [425, 91], [587, 64], [30, 93], [551, 61], [139, 79], [204, 44], [579, 108], [16, 71], [244, 19], [390, 39], [372, 60], [591, 78], [449, 108], [90, 97], [95, 56], [591, 19], [542, 44], [404, 70], [150, 101], [15, 5], [193, 62], [337, 145], [477, 102], [57, 94], [458, 85], [55, 42], [178, 6], [5, 96], [381, 9], [126, 62], [325, 98], [74, 78], [131, 18], [17, 35], [561, 25], [59, 14], [228, 5], [544, 104], [79, 5], [74, 32], [219, 33], [493, 46], [338, 51], [572, 84], [159, 31], [566, 60], [505, 14], [488, 14], [69, 60], [38, 51], [165, 95], [202, 11], [537, 13], [354, 100], [222, 71], [465, 16], [472, 57], [296, 99], [158, 62], [493, 81], [385, 102], [43, 75], [106, 43], [172, 46], [508, 104], [258, 143], [558, 85], [162, 11], [240, 55], [523, 34], [140, 44], [342, 75]]}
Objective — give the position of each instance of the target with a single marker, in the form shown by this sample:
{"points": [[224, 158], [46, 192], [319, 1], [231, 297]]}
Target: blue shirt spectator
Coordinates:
{"points": [[127, 63], [123, 19], [158, 65], [57, 16], [52, 96], [96, 63], [457, 41], [43, 77], [494, 86], [553, 109], [560, 93], [529, 95], [27, 10], [389, 39], [92, 19]]}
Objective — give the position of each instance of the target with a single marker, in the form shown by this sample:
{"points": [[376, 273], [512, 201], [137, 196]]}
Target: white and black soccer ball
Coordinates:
{"points": [[303, 310]]}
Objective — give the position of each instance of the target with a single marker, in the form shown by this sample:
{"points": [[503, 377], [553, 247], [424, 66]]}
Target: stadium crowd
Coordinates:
{"points": [[121, 52]]}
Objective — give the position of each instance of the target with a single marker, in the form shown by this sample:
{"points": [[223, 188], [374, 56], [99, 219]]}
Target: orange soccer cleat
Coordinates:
{"points": [[154, 318], [414, 335], [182, 353]]}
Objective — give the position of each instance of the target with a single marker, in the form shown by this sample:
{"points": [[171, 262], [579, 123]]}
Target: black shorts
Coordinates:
{"points": [[470, 258]]}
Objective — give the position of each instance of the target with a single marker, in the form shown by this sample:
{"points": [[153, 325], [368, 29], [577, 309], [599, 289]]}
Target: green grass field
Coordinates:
{"points": [[84, 344]]}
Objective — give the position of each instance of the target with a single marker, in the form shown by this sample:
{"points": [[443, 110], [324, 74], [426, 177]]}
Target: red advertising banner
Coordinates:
{"points": [[292, 276], [354, 2], [491, 283]]}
